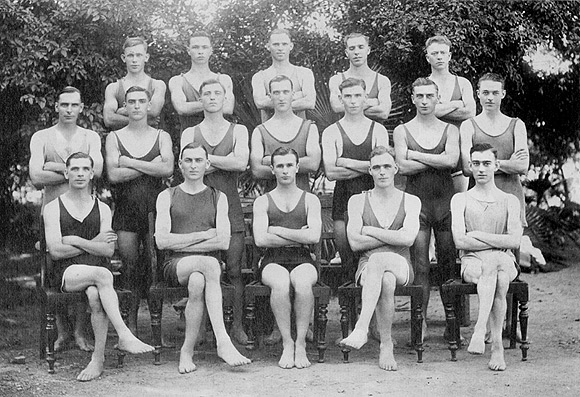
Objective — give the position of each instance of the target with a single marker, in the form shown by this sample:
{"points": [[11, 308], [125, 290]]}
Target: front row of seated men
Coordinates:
{"points": [[192, 222]]}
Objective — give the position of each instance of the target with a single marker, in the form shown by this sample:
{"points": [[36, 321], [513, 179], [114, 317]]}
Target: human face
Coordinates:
{"points": [[135, 58], [193, 164], [281, 95], [200, 50], [483, 166], [79, 173], [425, 97], [353, 99], [137, 105], [383, 169], [490, 94], [357, 50], [285, 169], [280, 46], [69, 106], [438, 56], [212, 98]]}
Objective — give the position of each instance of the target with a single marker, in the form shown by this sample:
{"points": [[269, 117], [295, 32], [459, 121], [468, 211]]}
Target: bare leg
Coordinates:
{"points": [[485, 276], [193, 317], [497, 361], [385, 314], [234, 255], [346, 254], [420, 256], [128, 243], [100, 324], [303, 278], [62, 327], [80, 330]]}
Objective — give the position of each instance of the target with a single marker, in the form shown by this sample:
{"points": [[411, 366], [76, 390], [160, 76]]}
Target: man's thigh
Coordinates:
{"points": [[77, 278], [234, 254], [195, 263], [275, 275], [395, 264], [304, 274]]}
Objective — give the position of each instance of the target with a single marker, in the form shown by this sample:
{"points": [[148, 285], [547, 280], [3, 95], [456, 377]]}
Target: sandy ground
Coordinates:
{"points": [[552, 367]]}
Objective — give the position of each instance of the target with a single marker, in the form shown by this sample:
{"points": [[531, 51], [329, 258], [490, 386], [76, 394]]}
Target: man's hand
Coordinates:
{"points": [[520, 154], [342, 162], [105, 237], [54, 167], [267, 161], [125, 162], [122, 111], [70, 240]]}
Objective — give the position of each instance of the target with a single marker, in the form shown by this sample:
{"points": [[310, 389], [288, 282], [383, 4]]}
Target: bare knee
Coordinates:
{"points": [[195, 285], [94, 299], [277, 278], [103, 277]]}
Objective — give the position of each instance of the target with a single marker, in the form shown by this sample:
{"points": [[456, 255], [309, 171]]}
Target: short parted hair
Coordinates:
{"points": [[194, 145], [279, 79], [483, 147], [70, 90], [200, 33], [440, 39], [283, 151], [492, 77], [280, 31], [136, 88], [354, 35], [352, 82], [210, 82], [79, 155], [379, 150], [133, 41], [421, 81]]}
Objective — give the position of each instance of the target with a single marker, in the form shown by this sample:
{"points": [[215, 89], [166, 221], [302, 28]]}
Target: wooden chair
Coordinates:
{"points": [[160, 290], [52, 298]]}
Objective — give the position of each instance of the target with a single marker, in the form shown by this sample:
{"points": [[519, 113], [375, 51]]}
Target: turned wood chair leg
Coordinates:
{"points": [[417, 326], [524, 328], [251, 323], [156, 310], [321, 334], [51, 335]]}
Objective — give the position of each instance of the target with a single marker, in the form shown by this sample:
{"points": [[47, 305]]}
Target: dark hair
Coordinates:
{"points": [[421, 81], [193, 145], [283, 151], [379, 150], [354, 35], [439, 40], [352, 82], [200, 33], [280, 31], [483, 147], [133, 41], [491, 77], [210, 82], [279, 79], [69, 90], [79, 155], [136, 88]]}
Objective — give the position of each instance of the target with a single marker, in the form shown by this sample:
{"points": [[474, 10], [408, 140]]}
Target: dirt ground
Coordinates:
{"points": [[552, 367]]}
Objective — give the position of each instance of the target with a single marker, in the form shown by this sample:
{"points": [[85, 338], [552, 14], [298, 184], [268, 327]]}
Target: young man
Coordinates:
{"points": [[486, 227], [227, 145], [284, 128], [347, 145], [382, 223], [286, 220], [427, 149], [49, 149], [507, 134], [192, 224], [185, 97], [79, 240], [138, 156], [378, 102], [456, 102], [304, 94], [135, 56]]}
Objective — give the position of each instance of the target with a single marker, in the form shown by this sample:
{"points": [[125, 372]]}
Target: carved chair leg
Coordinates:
{"points": [[344, 322], [229, 318], [124, 308], [321, 334], [51, 335], [42, 341], [156, 311], [417, 327], [452, 325], [512, 323], [251, 323], [524, 328]]}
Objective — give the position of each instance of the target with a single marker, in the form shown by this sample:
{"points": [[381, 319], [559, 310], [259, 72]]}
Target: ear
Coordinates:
{"points": [[66, 173], [81, 107], [272, 169], [123, 57]]}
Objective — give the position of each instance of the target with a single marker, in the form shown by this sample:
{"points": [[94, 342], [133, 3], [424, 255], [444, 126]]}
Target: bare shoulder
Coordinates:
{"points": [[103, 207], [331, 131], [260, 204], [463, 82], [238, 129], [41, 136], [412, 201], [304, 71], [458, 200], [157, 83], [356, 201], [384, 80], [334, 80], [312, 199]]}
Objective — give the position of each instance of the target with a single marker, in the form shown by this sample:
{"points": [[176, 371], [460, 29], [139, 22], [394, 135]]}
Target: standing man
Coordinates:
{"points": [[135, 56], [185, 97], [456, 102], [486, 228], [192, 223], [382, 223], [378, 102], [347, 146], [227, 145], [79, 239], [286, 221], [427, 149], [304, 94], [138, 156], [284, 128], [49, 149]]}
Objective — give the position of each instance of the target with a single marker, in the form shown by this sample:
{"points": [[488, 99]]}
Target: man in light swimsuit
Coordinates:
{"points": [[304, 94], [138, 156], [486, 228], [382, 223], [185, 97], [286, 221], [135, 56], [378, 87], [192, 223], [227, 145], [427, 149], [49, 149], [79, 239]]}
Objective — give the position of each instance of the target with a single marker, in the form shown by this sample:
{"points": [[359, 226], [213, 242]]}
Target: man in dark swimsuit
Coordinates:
{"points": [[382, 223], [427, 149], [79, 239], [286, 221], [138, 156], [185, 97], [378, 102], [135, 55], [192, 223], [227, 145]]}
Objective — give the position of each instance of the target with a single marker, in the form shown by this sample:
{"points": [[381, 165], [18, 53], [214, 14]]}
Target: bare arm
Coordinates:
{"points": [[53, 235], [161, 166], [261, 98], [404, 236], [332, 149], [230, 99], [179, 100], [95, 153], [101, 245], [447, 159], [380, 138], [115, 172], [262, 236], [157, 99], [237, 160], [259, 170], [406, 166], [519, 161], [466, 144], [459, 110], [380, 107], [38, 174], [305, 99], [513, 238], [311, 162], [460, 237], [357, 240], [114, 114], [308, 235], [335, 102]]}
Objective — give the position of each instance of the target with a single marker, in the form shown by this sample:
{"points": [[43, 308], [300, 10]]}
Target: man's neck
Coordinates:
{"points": [[67, 129], [354, 118], [192, 186], [440, 73], [359, 70], [136, 76], [79, 195], [137, 125], [426, 119], [492, 114], [288, 189], [284, 116], [283, 64], [214, 119], [200, 69], [384, 192]]}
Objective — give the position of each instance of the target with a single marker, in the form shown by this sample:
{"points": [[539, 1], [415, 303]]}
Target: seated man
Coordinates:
{"points": [[79, 238], [285, 221], [382, 223], [486, 227], [192, 222]]}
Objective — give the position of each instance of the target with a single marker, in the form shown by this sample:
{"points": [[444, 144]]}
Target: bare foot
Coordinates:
{"points": [[133, 345], [497, 362], [477, 343], [239, 335], [309, 335], [92, 371], [83, 344], [274, 338], [300, 358], [356, 339], [227, 352], [60, 343], [186, 364], [287, 359], [386, 357]]}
